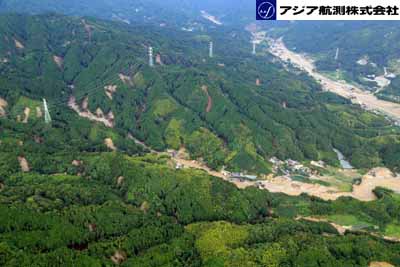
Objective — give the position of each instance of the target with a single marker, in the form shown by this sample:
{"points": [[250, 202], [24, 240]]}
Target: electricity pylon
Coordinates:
{"points": [[47, 117]]}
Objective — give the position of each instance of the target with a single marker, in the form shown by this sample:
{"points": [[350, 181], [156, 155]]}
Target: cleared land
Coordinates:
{"points": [[357, 95], [340, 183], [378, 177]]}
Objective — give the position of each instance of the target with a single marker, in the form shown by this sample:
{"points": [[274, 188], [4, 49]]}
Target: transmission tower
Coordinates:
{"points": [[151, 62], [47, 117], [211, 54], [337, 54]]}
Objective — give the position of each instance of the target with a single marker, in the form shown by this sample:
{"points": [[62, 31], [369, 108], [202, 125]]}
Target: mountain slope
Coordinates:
{"points": [[213, 107], [80, 205], [367, 52], [171, 13], [81, 192]]}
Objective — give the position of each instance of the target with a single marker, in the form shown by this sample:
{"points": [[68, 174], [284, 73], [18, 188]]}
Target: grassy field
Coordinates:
{"points": [[341, 179], [348, 220], [304, 179], [335, 75], [393, 230], [396, 197]]}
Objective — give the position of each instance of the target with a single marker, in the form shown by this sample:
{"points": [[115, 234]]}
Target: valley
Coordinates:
{"points": [[349, 91], [325, 186], [125, 141]]}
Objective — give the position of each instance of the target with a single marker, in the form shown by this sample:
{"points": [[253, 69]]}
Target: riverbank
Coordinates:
{"points": [[349, 91]]}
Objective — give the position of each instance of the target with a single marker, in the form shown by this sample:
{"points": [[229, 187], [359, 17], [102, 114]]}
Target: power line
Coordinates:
{"points": [[90, 91], [94, 89]]}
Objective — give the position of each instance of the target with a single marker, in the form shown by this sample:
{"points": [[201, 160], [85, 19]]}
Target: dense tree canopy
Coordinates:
{"points": [[68, 198], [187, 99]]}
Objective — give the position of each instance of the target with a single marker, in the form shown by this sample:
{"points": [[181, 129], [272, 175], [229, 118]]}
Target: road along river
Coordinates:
{"points": [[355, 94]]}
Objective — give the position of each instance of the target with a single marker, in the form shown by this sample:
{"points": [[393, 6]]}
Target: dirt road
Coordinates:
{"points": [[378, 177], [357, 96], [340, 228]]}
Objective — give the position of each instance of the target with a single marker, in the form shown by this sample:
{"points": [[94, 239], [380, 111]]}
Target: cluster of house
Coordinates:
{"points": [[290, 166], [287, 167]]}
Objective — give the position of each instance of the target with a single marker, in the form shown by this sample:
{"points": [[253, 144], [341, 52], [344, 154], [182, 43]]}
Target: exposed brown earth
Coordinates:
{"points": [[107, 120], [88, 29], [378, 177], [59, 61], [38, 139], [380, 264], [18, 44], [181, 159], [158, 59], [99, 113], [125, 79], [118, 257], [85, 103], [355, 94], [209, 99], [120, 180], [145, 206], [3, 106], [341, 229], [110, 90], [23, 163], [27, 112], [110, 144], [76, 163], [39, 112], [196, 165], [140, 143], [92, 227]]}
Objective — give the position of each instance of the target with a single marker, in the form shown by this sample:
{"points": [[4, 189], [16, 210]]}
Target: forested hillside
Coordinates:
{"points": [[128, 11], [79, 205], [213, 107], [82, 190], [172, 13]]}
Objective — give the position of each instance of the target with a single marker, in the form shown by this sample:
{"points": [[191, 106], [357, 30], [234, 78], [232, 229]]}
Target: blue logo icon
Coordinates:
{"points": [[266, 10]]}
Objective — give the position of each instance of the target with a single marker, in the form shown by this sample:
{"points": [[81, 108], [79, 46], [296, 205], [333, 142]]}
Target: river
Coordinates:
{"points": [[343, 162], [357, 95]]}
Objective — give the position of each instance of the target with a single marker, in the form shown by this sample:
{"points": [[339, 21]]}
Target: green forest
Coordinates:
{"points": [[69, 199], [287, 115], [81, 205]]}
